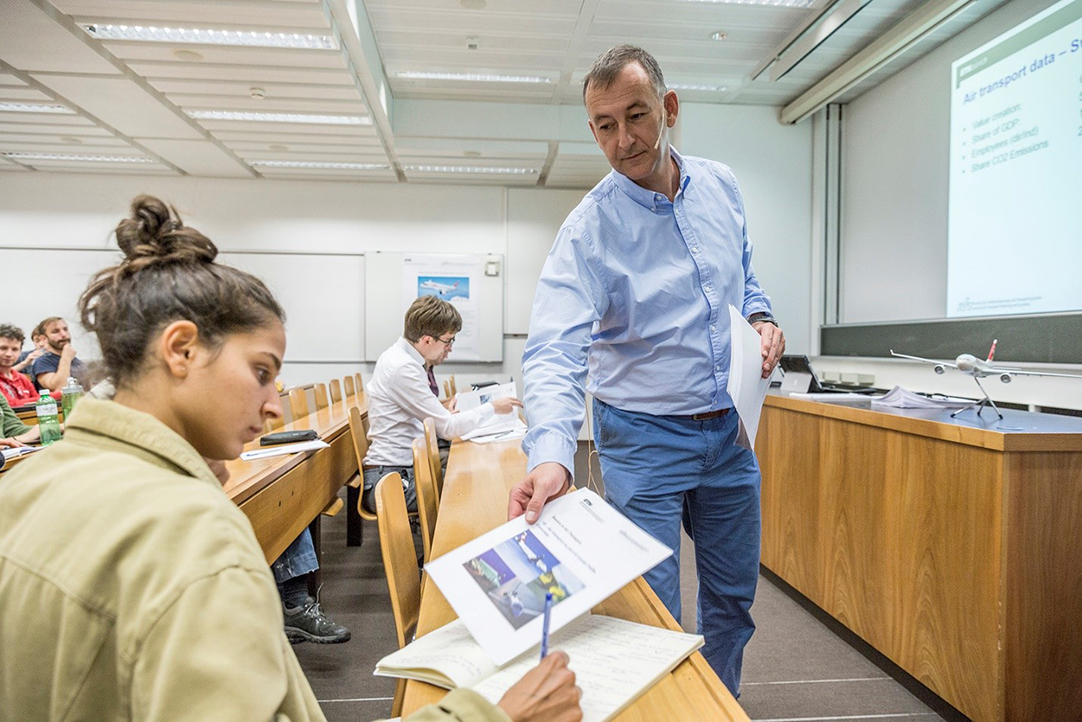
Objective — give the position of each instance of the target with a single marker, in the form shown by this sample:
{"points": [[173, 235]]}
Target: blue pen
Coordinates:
{"points": [[545, 626]]}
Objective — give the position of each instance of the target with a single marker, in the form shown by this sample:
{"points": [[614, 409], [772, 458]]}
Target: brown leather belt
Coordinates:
{"points": [[710, 415]]}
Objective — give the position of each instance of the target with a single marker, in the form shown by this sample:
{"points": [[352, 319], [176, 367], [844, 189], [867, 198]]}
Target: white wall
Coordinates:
{"points": [[53, 210], [894, 198]]}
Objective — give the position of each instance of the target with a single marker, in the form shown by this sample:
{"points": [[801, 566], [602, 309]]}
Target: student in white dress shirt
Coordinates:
{"points": [[400, 397]]}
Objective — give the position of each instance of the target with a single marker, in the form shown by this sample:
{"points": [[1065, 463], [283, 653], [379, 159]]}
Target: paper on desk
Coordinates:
{"points": [[283, 449], [20, 451], [747, 387], [899, 398], [497, 423], [581, 549], [516, 433]]}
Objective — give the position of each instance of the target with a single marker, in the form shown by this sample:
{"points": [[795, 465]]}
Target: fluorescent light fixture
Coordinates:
{"points": [[34, 108], [693, 86], [82, 158], [774, 3], [318, 164], [472, 77], [492, 170], [279, 117], [210, 36]]}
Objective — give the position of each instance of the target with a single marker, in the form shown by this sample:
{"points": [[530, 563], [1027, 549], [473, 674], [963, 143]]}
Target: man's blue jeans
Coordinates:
{"points": [[663, 470], [298, 559]]}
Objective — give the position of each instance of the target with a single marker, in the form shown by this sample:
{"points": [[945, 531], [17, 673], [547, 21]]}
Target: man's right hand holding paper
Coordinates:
{"points": [[547, 481]]}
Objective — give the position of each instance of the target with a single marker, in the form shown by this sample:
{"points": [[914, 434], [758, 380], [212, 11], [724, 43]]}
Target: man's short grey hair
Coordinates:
{"points": [[608, 66]]}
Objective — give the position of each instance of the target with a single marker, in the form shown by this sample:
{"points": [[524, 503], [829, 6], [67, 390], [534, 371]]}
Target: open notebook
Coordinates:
{"points": [[614, 661]]}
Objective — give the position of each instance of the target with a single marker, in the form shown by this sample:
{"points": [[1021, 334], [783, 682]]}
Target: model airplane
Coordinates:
{"points": [[978, 369], [440, 288]]}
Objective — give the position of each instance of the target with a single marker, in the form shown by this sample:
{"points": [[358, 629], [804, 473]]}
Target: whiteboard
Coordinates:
{"points": [[323, 295], [383, 299]]}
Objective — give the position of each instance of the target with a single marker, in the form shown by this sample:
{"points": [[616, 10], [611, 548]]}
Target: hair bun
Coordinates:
{"points": [[156, 234]]}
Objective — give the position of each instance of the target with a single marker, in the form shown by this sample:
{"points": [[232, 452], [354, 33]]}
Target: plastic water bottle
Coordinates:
{"points": [[47, 421], [69, 395]]}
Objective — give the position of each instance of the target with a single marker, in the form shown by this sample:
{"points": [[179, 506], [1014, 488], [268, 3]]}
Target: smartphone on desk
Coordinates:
{"points": [[288, 437]]}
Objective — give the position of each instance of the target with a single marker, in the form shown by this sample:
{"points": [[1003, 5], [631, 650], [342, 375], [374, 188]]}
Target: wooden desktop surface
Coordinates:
{"points": [[950, 545], [474, 501], [283, 494]]}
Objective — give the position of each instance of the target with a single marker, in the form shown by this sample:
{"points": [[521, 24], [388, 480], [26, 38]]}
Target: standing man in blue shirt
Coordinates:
{"points": [[636, 291]]}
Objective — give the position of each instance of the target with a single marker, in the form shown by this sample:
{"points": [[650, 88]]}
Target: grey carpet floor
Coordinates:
{"points": [[800, 666]]}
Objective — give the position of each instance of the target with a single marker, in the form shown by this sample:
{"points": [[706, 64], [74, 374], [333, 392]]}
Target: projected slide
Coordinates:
{"points": [[1015, 228]]}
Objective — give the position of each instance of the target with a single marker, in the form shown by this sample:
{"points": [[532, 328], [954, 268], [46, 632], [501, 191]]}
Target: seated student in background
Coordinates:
{"points": [[17, 388], [131, 586], [14, 432], [400, 397], [58, 361], [25, 364]]}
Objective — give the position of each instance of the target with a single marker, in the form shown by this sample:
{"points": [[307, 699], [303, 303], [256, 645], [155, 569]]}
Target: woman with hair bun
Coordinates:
{"points": [[131, 587]]}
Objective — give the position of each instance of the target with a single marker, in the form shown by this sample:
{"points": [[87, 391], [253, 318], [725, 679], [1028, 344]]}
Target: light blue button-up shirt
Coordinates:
{"points": [[636, 289]]}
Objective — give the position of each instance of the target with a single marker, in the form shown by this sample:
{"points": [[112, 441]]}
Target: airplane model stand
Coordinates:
{"points": [[980, 405]]}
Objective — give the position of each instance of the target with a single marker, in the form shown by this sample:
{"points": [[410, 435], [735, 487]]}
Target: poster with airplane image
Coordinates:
{"points": [[450, 278]]}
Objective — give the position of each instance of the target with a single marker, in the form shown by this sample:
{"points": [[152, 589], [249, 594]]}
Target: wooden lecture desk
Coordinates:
{"points": [[474, 501], [284, 494], [953, 546]]}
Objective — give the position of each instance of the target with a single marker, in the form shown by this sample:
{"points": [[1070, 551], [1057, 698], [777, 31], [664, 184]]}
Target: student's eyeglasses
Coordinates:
{"points": [[448, 342]]}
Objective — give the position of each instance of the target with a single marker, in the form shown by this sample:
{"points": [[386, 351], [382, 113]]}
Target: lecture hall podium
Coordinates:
{"points": [[954, 547]]}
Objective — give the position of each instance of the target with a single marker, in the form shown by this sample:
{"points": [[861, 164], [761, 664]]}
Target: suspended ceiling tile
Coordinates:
{"points": [[352, 106], [122, 104], [53, 130], [31, 40], [198, 158], [24, 94], [135, 51], [255, 74], [9, 79], [236, 126], [53, 145], [182, 89], [43, 119]]}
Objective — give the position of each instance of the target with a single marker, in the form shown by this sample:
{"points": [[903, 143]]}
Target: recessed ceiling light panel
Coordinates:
{"points": [[471, 77], [318, 164], [775, 3], [210, 36], [279, 117], [695, 86], [34, 108], [81, 158], [492, 170]]}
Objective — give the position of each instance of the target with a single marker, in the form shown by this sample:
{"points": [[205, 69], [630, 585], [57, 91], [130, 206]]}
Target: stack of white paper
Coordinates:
{"points": [[497, 425], [283, 449], [19, 451], [899, 398], [747, 387]]}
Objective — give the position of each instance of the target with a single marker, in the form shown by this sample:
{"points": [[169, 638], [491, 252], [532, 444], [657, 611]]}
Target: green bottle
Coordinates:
{"points": [[69, 395], [47, 421]]}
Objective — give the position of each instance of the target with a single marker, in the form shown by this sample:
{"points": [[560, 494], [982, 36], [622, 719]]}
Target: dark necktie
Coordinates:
{"points": [[432, 382]]}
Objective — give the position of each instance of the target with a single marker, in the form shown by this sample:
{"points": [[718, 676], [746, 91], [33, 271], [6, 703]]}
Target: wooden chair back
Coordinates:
{"points": [[399, 557], [360, 382], [347, 386], [435, 468], [451, 381], [447, 389], [336, 391], [321, 396], [360, 448], [427, 500], [298, 403]]}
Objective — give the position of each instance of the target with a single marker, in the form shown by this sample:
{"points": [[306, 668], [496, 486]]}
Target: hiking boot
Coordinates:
{"points": [[308, 622]]}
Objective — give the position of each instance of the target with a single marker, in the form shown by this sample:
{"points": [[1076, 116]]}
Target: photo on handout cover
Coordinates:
{"points": [[517, 574]]}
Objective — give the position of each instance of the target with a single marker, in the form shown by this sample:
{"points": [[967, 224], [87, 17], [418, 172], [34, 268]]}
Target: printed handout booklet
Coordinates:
{"points": [[614, 661], [503, 424], [581, 550]]}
